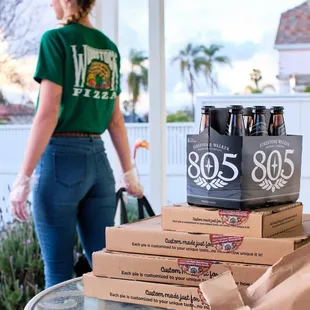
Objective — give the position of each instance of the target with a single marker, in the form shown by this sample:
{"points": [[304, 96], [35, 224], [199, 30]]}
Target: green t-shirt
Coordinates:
{"points": [[86, 63]]}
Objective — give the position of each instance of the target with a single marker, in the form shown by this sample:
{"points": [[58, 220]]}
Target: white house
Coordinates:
{"points": [[293, 43]]}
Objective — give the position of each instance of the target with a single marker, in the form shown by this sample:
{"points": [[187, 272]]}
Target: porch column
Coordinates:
{"points": [[107, 16], [107, 20], [157, 110]]}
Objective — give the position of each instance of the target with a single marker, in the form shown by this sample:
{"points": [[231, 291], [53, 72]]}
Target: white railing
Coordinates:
{"points": [[13, 140]]}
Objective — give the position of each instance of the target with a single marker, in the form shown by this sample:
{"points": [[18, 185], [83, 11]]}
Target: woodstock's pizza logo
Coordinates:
{"points": [[226, 244], [234, 218], [99, 75], [194, 267]]}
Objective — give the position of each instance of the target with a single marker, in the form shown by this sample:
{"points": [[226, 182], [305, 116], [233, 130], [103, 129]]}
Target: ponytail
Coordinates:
{"points": [[85, 7]]}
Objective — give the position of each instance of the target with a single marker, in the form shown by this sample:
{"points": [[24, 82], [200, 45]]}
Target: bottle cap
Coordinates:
{"points": [[259, 109], [248, 111], [236, 108], [277, 109], [207, 108]]}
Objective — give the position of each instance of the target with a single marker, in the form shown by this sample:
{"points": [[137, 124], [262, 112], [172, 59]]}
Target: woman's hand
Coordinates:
{"points": [[132, 184], [19, 195]]}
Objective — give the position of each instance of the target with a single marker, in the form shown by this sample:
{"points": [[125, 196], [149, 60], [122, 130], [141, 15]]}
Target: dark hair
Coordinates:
{"points": [[85, 6]]}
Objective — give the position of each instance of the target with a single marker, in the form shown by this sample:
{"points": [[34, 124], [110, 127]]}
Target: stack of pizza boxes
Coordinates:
{"points": [[252, 185], [161, 261]]}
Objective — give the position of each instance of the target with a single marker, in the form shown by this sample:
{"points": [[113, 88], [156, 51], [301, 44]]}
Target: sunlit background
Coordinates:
{"points": [[245, 29]]}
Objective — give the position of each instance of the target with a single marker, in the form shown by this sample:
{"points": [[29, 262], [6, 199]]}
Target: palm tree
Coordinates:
{"points": [[256, 77], [190, 64], [210, 59], [137, 77]]}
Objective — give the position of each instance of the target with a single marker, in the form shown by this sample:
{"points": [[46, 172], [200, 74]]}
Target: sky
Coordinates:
{"points": [[246, 29]]}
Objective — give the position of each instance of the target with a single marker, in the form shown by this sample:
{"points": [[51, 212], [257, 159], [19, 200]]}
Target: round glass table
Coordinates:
{"points": [[70, 296]]}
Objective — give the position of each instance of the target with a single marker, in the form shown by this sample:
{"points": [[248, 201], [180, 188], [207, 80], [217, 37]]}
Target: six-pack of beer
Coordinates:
{"points": [[243, 159]]}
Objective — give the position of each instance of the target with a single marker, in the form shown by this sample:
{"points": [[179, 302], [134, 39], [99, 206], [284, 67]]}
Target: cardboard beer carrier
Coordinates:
{"points": [[240, 231], [234, 172]]}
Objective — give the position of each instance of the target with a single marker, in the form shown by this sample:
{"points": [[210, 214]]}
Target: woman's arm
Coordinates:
{"points": [[119, 137], [43, 126]]}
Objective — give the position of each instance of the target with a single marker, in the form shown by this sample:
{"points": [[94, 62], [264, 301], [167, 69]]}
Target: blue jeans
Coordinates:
{"points": [[75, 191]]}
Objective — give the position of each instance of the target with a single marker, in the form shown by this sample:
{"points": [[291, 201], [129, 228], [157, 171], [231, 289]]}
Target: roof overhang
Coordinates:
{"points": [[292, 47]]}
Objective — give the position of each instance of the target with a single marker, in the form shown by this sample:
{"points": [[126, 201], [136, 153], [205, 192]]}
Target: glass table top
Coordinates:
{"points": [[70, 296]]}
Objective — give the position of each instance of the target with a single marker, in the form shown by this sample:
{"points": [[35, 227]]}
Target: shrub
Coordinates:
{"points": [[21, 265]]}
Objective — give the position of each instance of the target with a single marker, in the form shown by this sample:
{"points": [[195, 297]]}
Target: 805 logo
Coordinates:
{"points": [[272, 172], [208, 172]]}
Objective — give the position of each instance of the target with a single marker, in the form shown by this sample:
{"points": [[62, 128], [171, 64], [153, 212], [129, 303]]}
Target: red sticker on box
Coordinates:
{"points": [[203, 299], [234, 218], [225, 244], [194, 267]]}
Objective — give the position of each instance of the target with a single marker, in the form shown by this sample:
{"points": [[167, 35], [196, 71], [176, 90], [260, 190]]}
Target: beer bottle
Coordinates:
{"points": [[205, 121], [248, 120], [235, 124], [277, 124], [259, 127]]}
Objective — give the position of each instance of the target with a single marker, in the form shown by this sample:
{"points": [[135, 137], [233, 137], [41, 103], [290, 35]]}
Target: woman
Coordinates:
{"points": [[79, 74]]}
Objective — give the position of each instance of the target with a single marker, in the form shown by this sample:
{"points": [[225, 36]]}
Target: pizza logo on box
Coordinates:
{"points": [[234, 218], [194, 267], [225, 244]]}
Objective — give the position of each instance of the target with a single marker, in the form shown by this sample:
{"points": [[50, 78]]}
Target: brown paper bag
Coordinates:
{"points": [[284, 286]]}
